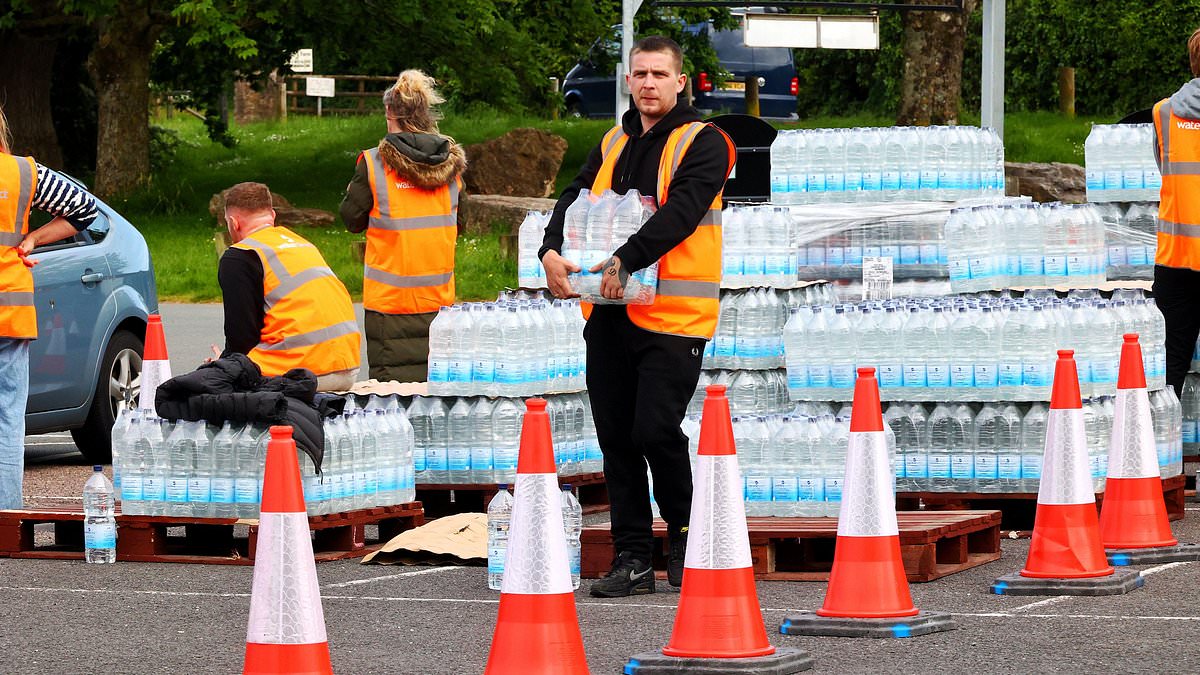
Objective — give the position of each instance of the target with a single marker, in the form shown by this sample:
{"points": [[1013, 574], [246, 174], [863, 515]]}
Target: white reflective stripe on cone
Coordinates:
{"points": [[285, 606], [868, 504], [717, 534], [1131, 451], [1066, 474], [537, 561], [154, 373]]}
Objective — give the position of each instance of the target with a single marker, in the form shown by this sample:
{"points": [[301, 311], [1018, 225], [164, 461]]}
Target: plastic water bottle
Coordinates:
{"points": [[439, 353], [119, 442], [133, 466], [499, 519], [1033, 446], [223, 493], [987, 449], [151, 445], [99, 522], [247, 486], [573, 527]]}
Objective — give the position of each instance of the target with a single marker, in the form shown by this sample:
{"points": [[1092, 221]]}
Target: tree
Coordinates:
{"points": [[931, 83]]}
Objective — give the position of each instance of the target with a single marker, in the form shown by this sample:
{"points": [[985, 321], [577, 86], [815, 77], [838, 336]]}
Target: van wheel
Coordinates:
{"points": [[120, 378], [573, 110]]}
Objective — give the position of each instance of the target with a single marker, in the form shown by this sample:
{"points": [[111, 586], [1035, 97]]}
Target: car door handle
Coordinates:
{"points": [[91, 278]]}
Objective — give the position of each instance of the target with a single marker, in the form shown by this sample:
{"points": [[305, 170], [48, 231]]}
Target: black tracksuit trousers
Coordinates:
{"points": [[640, 383], [1177, 294]]}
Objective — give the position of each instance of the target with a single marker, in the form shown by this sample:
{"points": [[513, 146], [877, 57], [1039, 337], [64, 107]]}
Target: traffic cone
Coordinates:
{"points": [[156, 367], [537, 629], [1133, 517], [718, 624], [286, 633], [868, 590], [1065, 553]]}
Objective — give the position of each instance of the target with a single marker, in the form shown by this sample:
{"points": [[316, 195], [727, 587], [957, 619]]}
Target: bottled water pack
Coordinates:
{"points": [[758, 247], [750, 392], [597, 225], [1120, 164], [1131, 236], [530, 273]]}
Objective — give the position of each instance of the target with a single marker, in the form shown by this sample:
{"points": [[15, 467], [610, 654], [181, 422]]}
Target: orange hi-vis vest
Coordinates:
{"points": [[309, 321], [18, 181], [1179, 197], [411, 233], [689, 275]]}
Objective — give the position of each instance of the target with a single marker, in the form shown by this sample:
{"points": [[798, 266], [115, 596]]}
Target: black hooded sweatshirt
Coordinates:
{"points": [[700, 176]]}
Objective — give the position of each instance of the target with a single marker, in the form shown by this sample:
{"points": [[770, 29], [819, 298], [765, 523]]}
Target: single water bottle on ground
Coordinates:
{"points": [[99, 523], [573, 527], [499, 518]]}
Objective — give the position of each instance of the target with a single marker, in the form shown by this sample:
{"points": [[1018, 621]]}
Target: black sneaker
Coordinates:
{"points": [[628, 576], [676, 553]]}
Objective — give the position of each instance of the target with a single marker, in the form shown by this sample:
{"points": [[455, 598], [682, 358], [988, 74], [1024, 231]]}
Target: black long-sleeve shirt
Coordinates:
{"points": [[700, 176], [240, 274]]}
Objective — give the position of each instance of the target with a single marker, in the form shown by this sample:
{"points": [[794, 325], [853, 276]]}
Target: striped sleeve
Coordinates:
{"points": [[61, 197]]}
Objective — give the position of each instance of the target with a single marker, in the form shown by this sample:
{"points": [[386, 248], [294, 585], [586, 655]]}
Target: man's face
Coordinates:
{"points": [[654, 83]]}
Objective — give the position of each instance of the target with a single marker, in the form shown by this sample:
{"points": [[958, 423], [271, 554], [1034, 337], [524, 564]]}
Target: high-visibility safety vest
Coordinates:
{"points": [[18, 182], [1179, 200], [309, 320], [689, 275], [411, 233]]}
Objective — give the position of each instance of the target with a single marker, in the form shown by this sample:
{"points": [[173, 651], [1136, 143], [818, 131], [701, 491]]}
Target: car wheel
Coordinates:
{"points": [[117, 389], [573, 110]]}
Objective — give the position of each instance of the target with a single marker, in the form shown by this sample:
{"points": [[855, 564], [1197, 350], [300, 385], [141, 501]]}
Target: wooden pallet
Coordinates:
{"points": [[932, 545], [444, 499], [1019, 507], [219, 541]]}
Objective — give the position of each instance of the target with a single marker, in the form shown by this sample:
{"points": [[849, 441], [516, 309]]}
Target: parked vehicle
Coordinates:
{"points": [[589, 89], [93, 294]]}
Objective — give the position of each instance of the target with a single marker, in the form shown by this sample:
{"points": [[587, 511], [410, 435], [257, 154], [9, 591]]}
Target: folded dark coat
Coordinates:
{"points": [[233, 389]]}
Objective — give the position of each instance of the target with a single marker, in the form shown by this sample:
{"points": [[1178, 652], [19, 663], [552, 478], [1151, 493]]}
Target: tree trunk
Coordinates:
{"points": [[931, 86], [120, 68], [26, 67]]}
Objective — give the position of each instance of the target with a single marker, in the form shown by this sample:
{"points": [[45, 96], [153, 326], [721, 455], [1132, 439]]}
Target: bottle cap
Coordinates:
{"points": [[97, 468]]}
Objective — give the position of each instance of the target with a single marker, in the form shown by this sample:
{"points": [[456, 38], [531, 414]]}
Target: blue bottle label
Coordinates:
{"points": [[177, 489], [1031, 466], [1010, 374], [131, 487], [199, 489], [1008, 466], [810, 490], [939, 465], [962, 375], [100, 535], [962, 465], [938, 374], [916, 465], [914, 375], [986, 376], [986, 466], [222, 490], [890, 375], [758, 488], [833, 489], [841, 376], [784, 489]]}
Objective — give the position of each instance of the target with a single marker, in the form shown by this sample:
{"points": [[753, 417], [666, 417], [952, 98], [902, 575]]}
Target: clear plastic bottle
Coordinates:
{"points": [[499, 519], [439, 353], [224, 473], [248, 484], [1033, 446], [132, 461], [152, 446], [572, 513], [99, 521], [987, 449]]}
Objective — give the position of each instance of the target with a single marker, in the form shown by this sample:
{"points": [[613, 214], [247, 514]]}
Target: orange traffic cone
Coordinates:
{"points": [[868, 590], [718, 619], [1065, 554], [537, 629], [287, 627], [1134, 515], [156, 368]]}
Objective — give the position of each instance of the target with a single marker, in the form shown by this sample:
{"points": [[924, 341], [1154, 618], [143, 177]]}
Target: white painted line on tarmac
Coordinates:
{"points": [[1106, 617], [1041, 603], [416, 573], [1162, 568]]}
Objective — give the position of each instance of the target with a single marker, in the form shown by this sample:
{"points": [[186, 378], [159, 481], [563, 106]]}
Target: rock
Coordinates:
{"points": [[285, 214], [1050, 182], [521, 163], [479, 214]]}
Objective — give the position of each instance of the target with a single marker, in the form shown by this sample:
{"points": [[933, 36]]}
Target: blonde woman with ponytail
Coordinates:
{"points": [[25, 185], [404, 195]]}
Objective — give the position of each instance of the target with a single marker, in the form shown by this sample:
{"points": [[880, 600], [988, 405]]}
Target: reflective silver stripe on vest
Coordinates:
{"points": [[1178, 229], [24, 195], [693, 129], [683, 288], [411, 223], [612, 143], [381, 190], [453, 194], [311, 338], [407, 281], [710, 217], [10, 238], [270, 256], [16, 298], [290, 284]]}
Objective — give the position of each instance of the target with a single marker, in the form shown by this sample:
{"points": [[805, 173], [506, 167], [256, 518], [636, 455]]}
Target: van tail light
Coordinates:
{"points": [[794, 88], [705, 83]]}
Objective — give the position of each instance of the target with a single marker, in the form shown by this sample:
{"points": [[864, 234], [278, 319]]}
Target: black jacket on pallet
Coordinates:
{"points": [[233, 389]]}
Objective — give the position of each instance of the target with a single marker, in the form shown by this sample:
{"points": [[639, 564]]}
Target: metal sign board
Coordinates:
{"points": [[321, 87], [301, 61]]}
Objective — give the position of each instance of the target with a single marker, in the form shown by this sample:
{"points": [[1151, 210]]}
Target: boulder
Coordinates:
{"points": [[1046, 182], [521, 163], [480, 214], [285, 214]]}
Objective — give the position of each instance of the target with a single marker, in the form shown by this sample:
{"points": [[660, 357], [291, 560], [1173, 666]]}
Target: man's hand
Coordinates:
{"points": [[25, 248], [557, 268], [216, 354], [612, 279]]}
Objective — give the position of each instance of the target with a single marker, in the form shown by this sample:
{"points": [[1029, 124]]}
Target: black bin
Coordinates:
{"points": [[751, 179]]}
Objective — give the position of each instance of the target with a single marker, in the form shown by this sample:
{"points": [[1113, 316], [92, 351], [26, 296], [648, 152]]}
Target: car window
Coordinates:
{"points": [[605, 52], [99, 228]]}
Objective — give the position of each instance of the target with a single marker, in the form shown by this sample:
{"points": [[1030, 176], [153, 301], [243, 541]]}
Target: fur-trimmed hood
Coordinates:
{"points": [[428, 160]]}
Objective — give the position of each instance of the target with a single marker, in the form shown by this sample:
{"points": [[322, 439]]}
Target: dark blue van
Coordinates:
{"points": [[589, 89]]}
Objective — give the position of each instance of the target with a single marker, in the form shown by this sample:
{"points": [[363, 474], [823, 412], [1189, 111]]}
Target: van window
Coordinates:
{"points": [[772, 56], [731, 50]]}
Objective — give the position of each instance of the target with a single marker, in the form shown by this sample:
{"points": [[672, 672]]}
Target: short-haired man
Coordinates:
{"points": [[284, 307], [1177, 260], [643, 362]]}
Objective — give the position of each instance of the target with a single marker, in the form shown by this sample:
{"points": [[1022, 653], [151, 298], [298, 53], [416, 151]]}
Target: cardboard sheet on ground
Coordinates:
{"points": [[460, 539]]}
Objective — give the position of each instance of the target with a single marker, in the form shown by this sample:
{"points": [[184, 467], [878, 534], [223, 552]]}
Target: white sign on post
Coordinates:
{"points": [[877, 277], [301, 61], [321, 87]]}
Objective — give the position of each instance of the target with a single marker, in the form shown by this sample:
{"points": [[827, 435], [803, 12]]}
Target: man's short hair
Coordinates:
{"points": [[662, 44], [249, 197], [1194, 52]]}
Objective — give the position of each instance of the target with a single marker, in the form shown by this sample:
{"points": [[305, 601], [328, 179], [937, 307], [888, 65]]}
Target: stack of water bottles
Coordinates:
{"points": [[986, 348], [998, 446], [499, 516], [993, 247], [484, 348], [595, 226], [476, 439], [530, 273], [1190, 402], [758, 247], [869, 164], [749, 331], [1131, 235], [194, 470], [750, 392], [831, 242], [1120, 165]]}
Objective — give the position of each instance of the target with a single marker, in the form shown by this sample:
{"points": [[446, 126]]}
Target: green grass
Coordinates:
{"points": [[310, 160]]}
